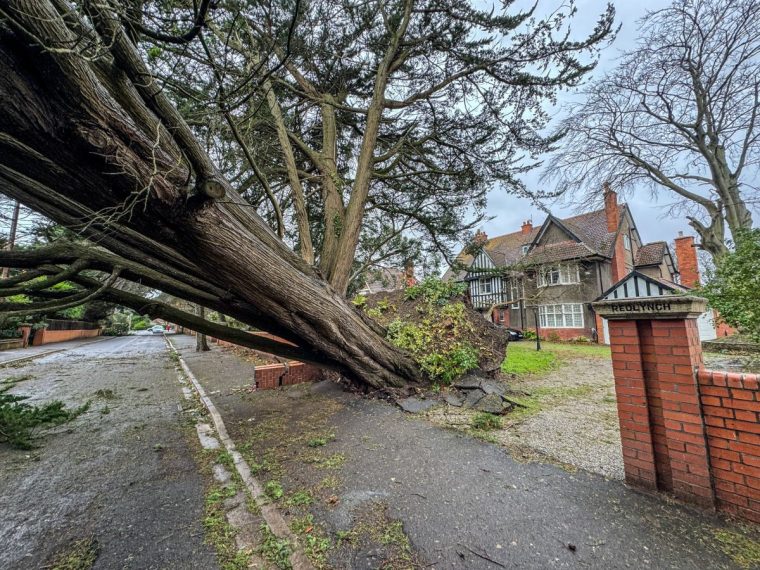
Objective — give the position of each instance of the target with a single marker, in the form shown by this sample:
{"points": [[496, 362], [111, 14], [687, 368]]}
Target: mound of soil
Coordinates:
{"points": [[489, 339]]}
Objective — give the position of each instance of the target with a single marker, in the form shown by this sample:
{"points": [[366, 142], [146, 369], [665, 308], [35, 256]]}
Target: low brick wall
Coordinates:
{"points": [[564, 334], [9, 343], [731, 410], [45, 336], [270, 376]]}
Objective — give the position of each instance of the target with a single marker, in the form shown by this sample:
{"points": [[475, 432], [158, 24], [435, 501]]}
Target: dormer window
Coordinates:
{"points": [[525, 249]]}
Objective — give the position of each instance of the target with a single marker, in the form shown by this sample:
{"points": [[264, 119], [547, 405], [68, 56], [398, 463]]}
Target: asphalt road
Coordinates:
{"points": [[123, 473]]}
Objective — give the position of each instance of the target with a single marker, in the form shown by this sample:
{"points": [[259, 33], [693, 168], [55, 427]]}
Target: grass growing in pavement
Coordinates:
{"points": [[544, 397], [741, 549], [523, 358], [485, 421], [81, 555], [275, 550]]}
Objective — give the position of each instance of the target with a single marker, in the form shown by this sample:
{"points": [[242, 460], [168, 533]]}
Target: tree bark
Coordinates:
{"points": [[201, 344], [11, 235], [70, 150]]}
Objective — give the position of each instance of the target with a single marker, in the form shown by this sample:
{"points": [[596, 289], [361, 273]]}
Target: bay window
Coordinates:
{"points": [[561, 316]]}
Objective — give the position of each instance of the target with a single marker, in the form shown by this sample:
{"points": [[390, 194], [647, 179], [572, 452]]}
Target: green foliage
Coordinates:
{"points": [[743, 549], [525, 359], [434, 344], [320, 441], [733, 288], [81, 555], [529, 335], [553, 336], [141, 323], [273, 489], [10, 333], [360, 301], [434, 290], [300, 498], [486, 422], [275, 550], [19, 420]]}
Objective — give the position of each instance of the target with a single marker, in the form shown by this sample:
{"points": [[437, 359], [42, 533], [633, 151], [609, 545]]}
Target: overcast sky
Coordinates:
{"points": [[653, 225]]}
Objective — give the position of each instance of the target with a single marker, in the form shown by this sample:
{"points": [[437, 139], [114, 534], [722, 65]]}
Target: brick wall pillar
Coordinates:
{"points": [[655, 355]]}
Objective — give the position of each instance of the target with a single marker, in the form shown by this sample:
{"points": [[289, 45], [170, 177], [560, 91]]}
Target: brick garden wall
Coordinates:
{"points": [[270, 376], [686, 430], [45, 336], [731, 408]]}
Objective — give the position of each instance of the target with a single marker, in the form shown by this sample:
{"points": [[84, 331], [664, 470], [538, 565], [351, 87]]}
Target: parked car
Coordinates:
{"points": [[157, 329], [515, 334]]}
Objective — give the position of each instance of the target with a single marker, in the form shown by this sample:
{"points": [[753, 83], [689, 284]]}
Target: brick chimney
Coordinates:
{"points": [[611, 208], [527, 227], [480, 239], [686, 254]]}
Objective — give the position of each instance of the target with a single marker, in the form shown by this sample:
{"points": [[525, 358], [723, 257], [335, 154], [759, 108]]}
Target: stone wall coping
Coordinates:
{"points": [[651, 308]]}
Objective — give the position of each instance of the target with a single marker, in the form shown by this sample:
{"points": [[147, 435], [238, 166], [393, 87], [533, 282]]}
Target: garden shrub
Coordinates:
{"points": [[554, 337], [434, 290]]}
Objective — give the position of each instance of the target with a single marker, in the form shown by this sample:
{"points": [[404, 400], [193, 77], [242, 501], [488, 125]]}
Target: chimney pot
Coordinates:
{"points": [[527, 227]]}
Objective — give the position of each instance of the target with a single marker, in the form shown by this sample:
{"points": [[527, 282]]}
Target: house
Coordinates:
{"points": [[387, 279], [552, 272]]}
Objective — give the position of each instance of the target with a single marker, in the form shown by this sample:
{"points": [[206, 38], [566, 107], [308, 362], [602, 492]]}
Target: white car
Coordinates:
{"points": [[157, 329]]}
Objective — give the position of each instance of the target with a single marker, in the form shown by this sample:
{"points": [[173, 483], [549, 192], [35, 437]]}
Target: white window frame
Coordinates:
{"points": [[560, 274], [627, 242], [525, 249], [514, 293], [561, 316], [482, 284]]}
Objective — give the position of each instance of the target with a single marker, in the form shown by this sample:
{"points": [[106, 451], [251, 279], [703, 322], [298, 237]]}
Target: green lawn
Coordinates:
{"points": [[522, 357]]}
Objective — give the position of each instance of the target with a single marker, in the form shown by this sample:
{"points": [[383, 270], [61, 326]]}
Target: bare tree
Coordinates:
{"points": [[679, 114]]}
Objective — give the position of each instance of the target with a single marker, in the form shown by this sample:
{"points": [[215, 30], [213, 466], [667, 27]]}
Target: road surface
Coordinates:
{"points": [[123, 473]]}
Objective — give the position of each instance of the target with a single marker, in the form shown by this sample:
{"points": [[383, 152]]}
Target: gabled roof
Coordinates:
{"points": [[657, 287], [651, 254], [588, 236]]}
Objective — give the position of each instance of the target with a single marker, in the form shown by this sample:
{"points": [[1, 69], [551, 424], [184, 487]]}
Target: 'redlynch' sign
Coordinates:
{"points": [[665, 307], [641, 307]]}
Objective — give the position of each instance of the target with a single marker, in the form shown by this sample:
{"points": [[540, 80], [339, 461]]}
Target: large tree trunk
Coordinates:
{"points": [[101, 160], [201, 342], [11, 235]]}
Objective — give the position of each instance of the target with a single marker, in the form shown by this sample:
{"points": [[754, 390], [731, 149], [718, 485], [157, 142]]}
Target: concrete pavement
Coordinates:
{"points": [[463, 503]]}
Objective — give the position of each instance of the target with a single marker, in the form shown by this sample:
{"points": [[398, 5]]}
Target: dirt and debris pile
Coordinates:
{"points": [[435, 323]]}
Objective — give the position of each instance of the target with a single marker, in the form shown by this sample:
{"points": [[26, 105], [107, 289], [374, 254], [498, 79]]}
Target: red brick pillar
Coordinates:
{"points": [[655, 355], [26, 331]]}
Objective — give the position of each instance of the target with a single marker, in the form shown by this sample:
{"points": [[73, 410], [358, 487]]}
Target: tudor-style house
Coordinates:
{"points": [[554, 271]]}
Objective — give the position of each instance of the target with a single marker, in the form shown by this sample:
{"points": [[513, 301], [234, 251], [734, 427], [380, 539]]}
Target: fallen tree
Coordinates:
{"points": [[89, 139]]}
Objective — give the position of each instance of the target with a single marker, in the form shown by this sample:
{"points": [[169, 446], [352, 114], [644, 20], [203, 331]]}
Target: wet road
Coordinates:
{"points": [[123, 473]]}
